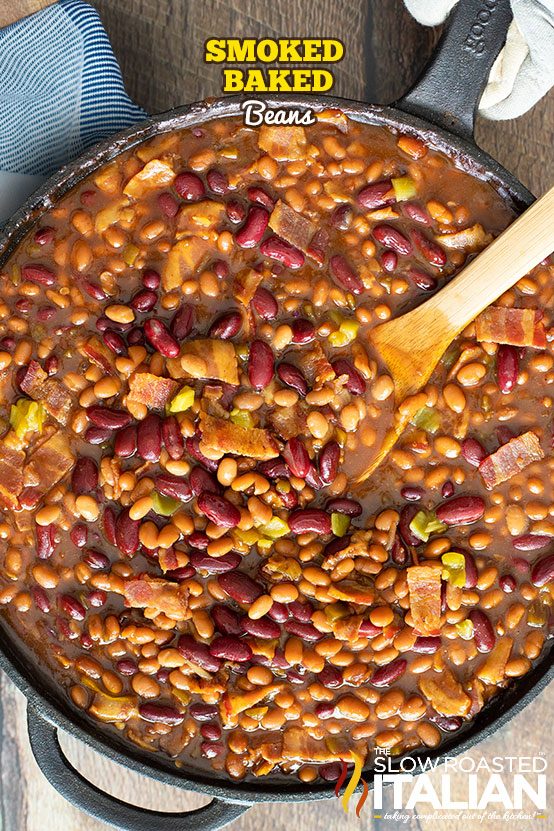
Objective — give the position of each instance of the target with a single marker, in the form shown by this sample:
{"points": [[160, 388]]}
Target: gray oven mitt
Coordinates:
{"points": [[524, 69]]}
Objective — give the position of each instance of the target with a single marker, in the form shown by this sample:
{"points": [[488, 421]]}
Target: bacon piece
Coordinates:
{"points": [[233, 703], [155, 174], [493, 669], [54, 396], [213, 359], [358, 546], [183, 260], [352, 593], [12, 459], [424, 584], [518, 327], [46, 466], [446, 694], [282, 142], [347, 628], [292, 226], [288, 422], [97, 352], [315, 366], [510, 459], [111, 708], [246, 283], [469, 239], [162, 596], [226, 437], [200, 217], [151, 390]]}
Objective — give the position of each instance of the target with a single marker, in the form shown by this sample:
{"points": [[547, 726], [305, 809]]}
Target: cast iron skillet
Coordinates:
{"points": [[441, 109]]}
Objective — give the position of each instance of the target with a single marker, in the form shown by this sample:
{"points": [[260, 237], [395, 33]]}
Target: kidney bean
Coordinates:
{"points": [[313, 478], [240, 587], [46, 540], [301, 611], [108, 524], [292, 377], [377, 195], [483, 633], [173, 486], [193, 449], [531, 542], [226, 620], [253, 229], [144, 300], [151, 279], [422, 280], [127, 533], [344, 505], [399, 553], [182, 322], [328, 462], [220, 269], [355, 384], [136, 337], [473, 451], [172, 438], [344, 274], [218, 510], [448, 723], [392, 238], [199, 654], [309, 520], [201, 561], [235, 211], [296, 457], [108, 417], [265, 304], [274, 469], [158, 336], [212, 732], [114, 341], [289, 499], [160, 714], [72, 607], [168, 205], [127, 667], [464, 510], [412, 493], [125, 444], [426, 645], [84, 477], [259, 195], [103, 323], [341, 218], [201, 481], [180, 574], [226, 326], [231, 648], [218, 182], [79, 535], [189, 186], [369, 630], [94, 290], [447, 490], [389, 260], [385, 676], [7, 343], [211, 749], [417, 212], [472, 574], [303, 330], [278, 612], [507, 367], [149, 438], [407, 514], [44, 235], [305, 631], [543, 571], [330, 772], [40, 599], [38, 274], [507, 583], [97, 435], [282, 251], [96, 559], [260, 364], [432, 252], [324, 709], [504, 434], [203, 712]]}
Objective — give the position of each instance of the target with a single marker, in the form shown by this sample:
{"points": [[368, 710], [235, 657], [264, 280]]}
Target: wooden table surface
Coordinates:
{"points": [[159, 44]]}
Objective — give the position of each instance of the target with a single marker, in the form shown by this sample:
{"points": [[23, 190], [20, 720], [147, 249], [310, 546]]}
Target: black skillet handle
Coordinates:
{"points": [[88, 798], [448, 92]]}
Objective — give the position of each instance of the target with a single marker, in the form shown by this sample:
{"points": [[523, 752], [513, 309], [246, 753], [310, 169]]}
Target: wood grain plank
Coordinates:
{"points": [[18, 9]]}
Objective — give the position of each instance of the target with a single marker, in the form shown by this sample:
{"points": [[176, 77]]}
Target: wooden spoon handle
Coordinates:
{"points": [[513, 254]]}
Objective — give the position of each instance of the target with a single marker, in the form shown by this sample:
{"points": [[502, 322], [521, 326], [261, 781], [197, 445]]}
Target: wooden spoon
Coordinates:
{"points": [[412, 344]]}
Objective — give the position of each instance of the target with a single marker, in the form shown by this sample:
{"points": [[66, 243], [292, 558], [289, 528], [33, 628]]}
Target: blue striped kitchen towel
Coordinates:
{"points": [[60, 91]]}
